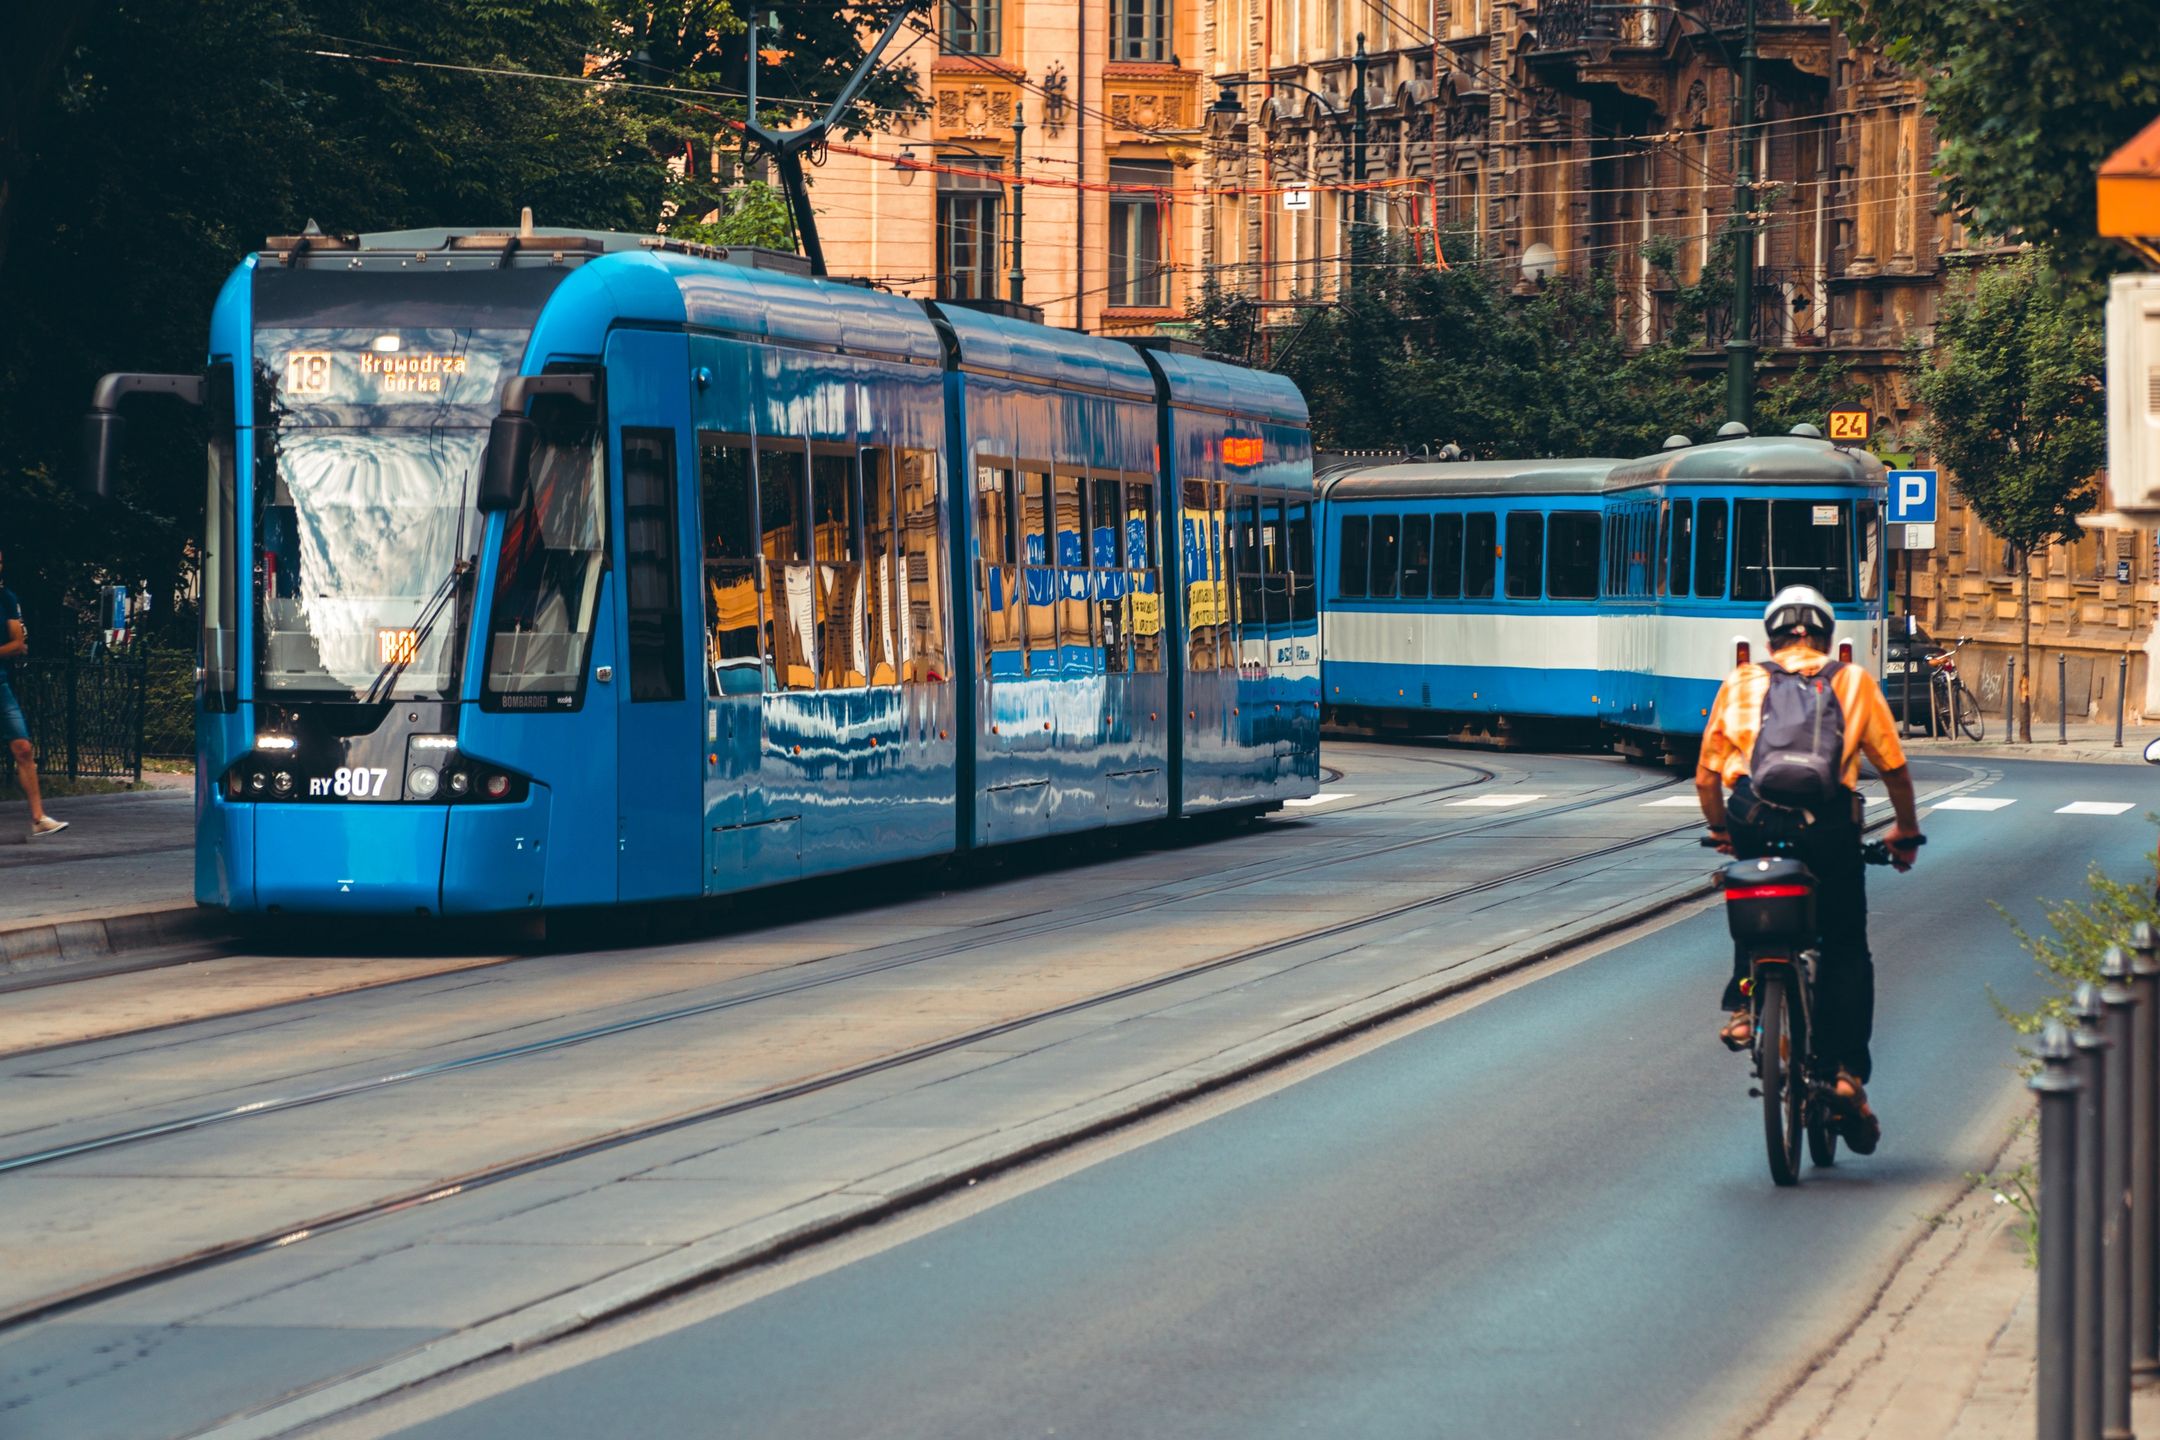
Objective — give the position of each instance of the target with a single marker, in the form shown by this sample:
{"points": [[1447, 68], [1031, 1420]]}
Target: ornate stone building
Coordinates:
{"points": [[1530, 136]]}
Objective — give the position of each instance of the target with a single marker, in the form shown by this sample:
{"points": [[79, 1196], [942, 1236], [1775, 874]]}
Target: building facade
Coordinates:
{"points": [[1168, 142]]}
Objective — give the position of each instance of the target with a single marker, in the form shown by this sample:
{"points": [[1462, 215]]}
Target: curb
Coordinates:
{"points": [[826, 1218], [2081, 752], [52, 943]]}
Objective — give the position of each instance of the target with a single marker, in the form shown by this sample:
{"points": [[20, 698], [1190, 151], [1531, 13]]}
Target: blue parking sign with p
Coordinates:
{"points": [[1912, 497]]}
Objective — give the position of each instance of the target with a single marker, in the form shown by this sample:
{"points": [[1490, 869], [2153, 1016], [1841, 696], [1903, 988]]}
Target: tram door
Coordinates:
{"points": [[659, 697]]}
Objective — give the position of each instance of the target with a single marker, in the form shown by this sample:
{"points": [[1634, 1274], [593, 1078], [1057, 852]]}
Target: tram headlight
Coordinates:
{"points": [[497, 785], [421, 783], [460, 783], [257, 781], [282, 782]]}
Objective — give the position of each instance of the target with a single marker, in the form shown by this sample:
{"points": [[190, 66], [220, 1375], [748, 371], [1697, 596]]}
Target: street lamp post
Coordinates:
{"points": [[1357, 159], [1226, 105], [1016, 278], [1740, 347]]}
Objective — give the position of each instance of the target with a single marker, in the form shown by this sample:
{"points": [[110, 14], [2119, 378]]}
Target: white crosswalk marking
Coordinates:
{"points": [[1672, 802], [1973, 802], [2095, 807], [1496, 802], [1322, 798]]}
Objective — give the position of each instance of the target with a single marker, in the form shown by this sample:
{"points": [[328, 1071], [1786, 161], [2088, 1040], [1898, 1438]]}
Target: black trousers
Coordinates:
{"points": [[1845, 977]]}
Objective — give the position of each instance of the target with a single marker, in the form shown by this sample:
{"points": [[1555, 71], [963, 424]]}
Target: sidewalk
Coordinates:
{"points": [[2088, 743], [120, 877], [1949, 1349]]}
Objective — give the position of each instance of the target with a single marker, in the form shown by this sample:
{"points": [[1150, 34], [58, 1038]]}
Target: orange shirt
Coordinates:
{"points": [[1736, 717]]}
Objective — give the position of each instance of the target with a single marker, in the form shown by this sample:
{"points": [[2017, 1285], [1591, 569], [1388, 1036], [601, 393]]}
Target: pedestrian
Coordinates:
{"points": [[14, 644]]}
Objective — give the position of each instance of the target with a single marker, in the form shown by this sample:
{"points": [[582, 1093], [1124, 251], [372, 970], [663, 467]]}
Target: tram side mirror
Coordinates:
{"points": [[509, 457], [2152, 752], [101, 453]]}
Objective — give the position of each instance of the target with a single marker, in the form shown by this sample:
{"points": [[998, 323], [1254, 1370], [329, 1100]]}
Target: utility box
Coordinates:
{"points": [[2133, 396]]}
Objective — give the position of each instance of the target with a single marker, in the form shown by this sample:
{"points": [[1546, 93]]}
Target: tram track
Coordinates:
{"points": [[1259, 872], [159, 1272], [286, 1235], [466, 964]]}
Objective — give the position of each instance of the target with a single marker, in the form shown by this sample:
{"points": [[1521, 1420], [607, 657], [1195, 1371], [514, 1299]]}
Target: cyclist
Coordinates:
{"points": [[1826, 838]]}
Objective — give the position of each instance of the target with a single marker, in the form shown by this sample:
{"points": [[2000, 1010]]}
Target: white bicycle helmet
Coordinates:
{"points": [[1799, 607]]}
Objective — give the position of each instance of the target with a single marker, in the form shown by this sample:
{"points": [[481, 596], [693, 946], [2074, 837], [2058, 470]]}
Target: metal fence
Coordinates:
{"points": [[2100, 1199], [85, 715]]}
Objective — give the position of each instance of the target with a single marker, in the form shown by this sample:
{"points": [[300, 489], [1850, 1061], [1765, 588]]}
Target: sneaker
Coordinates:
{"points": [[46, 825]]}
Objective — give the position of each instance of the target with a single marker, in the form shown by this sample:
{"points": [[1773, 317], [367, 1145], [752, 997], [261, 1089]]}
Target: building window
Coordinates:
{"points": [[1137, 262], [969, 27], [1140, 30], [967, 230]]}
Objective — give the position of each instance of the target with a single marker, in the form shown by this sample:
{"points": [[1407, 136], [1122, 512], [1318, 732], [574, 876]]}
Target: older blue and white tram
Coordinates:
{"points": [[1699, 538], [1464, 596], [777, 576], [1585, 595]]}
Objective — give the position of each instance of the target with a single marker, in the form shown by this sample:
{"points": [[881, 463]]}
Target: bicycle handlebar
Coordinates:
{"points": [[1875, 852]]}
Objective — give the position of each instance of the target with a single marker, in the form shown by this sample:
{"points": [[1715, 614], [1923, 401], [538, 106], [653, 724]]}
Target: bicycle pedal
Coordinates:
{"points": [[1754, 1092]]}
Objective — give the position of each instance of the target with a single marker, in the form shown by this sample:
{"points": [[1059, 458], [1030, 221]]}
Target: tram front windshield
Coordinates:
{"points": [[367, 459]]}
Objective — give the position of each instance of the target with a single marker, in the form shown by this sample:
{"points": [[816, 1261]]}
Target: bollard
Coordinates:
{"points": [[2089, 1043], [2062, 698], [2118, 1000], [2122, 680], [2144, 1156], [2057, 1085], [2010, 710]]}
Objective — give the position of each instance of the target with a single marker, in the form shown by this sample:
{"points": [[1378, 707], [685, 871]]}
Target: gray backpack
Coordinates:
{"points": [[1800, 750]]}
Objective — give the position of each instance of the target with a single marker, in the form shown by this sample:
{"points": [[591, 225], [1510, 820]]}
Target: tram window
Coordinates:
{"points": [[548, 578], [219, 627], [1356, 547], [1200, 530], [1250, 564], [1075, 622], [1386, 542], [1000, 580], [1571, 555], [1868, 538], [837, 565], [1143, 578], [1480, 554], [879, 643], [1416, 557], [1298, 524], [1525, 555], [922, 637], [727, 497], [1682, 547], [1710, 549], [1447, 573], [1031, 503], [1792, 542], [791, 584], [654, 584]]}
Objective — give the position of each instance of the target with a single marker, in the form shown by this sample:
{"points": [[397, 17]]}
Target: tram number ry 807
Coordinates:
{"points": [[351, 782]]}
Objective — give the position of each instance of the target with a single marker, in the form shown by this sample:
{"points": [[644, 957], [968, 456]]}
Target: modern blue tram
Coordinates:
{"points": [[1582, 596], [569, 568]]}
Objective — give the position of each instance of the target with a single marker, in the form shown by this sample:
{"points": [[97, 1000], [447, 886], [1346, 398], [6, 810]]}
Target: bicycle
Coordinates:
{"points": [[1951, 706], [1770, 911]]}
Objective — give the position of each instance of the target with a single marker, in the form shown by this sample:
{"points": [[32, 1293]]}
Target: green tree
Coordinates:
{"points": [[2012, 387], [753, 213], [2028, 100]]}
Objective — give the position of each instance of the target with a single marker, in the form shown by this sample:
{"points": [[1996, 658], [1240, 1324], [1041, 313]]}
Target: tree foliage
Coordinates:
{"points": [[2012, 387], [2028, 99], [1412, 356]]}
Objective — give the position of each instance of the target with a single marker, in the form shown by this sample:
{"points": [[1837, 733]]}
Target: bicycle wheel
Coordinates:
{"points": [[1821, 1135], [1777, 1048], [1969, 718]]}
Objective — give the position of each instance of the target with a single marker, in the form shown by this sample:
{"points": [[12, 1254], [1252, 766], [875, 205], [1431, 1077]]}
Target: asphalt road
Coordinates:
{"points": [[1547, 1216]]}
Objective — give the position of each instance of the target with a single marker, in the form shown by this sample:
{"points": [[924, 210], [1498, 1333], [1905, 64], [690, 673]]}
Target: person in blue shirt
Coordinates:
{"points": [[14, 645]]}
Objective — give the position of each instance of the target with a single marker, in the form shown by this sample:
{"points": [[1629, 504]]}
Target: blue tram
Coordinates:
{"points": [[1583, 596], [752, 576]]}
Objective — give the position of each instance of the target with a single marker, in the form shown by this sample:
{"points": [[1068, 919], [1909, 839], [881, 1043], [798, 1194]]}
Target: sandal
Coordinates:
{"points": [[1739, 1031], [1857, 1124]]}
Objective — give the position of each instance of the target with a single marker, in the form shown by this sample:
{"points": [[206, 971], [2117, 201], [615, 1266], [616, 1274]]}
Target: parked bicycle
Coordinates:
{"points": [[1770, 911], [1952, 707]]}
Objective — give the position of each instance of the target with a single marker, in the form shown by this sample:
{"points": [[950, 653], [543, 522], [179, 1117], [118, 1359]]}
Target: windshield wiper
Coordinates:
{"points": [[431, 609]]}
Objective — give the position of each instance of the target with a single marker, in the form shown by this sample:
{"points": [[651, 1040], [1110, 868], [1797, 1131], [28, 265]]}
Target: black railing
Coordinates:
{"points": [[1774, 316], [85, 715]]}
